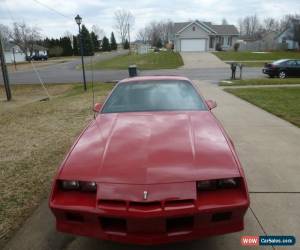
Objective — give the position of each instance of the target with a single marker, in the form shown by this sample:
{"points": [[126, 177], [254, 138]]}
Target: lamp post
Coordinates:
{"points": [[78, 20]]}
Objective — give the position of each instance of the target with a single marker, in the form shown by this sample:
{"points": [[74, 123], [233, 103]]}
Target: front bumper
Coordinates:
{"points": [[268, 71], [213, 213]]}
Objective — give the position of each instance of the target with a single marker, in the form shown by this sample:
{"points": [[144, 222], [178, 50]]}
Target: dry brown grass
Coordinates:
{"points": [[24, 66], [24, 94], [34, 139]]}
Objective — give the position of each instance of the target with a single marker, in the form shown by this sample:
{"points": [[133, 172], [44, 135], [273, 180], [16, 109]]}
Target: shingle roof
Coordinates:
{"points": [[179, 26], [225, 29], [219, 29]]}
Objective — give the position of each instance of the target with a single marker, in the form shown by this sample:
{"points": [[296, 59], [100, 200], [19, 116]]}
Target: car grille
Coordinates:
{"points": [[170, 226], [121, 205], [171, 223]]}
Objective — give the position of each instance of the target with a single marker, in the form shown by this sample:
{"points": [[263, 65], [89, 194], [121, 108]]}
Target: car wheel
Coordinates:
{"points": [[282, 75], [271, 76]]}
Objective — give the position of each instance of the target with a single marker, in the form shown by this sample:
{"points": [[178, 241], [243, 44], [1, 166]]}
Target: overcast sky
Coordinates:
{"points": [[101, 12]]}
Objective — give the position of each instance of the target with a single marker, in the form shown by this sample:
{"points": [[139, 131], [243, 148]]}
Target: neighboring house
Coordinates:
{"points": [[265, 43], [13, 53], [140, 47], [287, 36], [203, 36]]}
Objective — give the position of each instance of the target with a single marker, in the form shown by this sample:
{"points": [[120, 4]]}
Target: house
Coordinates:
{"points": [[140, 47], [266, 42], [203, 36], [287, 36], [13, 53]]}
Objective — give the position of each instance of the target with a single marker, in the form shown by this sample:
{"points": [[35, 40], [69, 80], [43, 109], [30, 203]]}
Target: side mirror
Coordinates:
{"points": [[97, 107], [211, 104]]}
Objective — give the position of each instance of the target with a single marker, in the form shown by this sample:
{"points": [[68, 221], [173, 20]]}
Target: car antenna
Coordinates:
{"points": [[93, 101]]}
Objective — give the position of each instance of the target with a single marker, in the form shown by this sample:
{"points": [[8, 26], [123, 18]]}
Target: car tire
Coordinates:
{"points": [[282, 75], [271, 76]]}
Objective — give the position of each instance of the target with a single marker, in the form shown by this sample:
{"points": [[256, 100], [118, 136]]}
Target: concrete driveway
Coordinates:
{"points": [[201, 60], [269, 151]]}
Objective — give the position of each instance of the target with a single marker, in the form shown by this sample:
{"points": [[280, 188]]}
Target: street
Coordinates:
{"points": [[68, 73]]}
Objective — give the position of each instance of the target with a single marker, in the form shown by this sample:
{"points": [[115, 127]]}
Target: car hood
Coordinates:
{"points": [[148, 148]]}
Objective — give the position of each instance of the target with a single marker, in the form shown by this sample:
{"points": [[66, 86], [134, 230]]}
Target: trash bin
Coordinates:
{"points": [[132, 70]]}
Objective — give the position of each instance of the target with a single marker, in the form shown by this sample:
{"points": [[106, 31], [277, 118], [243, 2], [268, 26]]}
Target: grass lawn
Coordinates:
{"points": [[283, 102], [249, 56], [261, 81], [34, 137], [256, 64], [159, 60]]}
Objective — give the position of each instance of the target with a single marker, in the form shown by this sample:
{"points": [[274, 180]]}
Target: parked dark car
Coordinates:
{"points": [[283, 68], [37, 57]]}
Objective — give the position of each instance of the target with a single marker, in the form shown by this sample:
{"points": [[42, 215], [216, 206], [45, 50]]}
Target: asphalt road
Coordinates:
{"points": [[67, 72]]}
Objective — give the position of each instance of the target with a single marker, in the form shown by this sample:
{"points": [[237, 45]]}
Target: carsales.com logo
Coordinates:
{"points": [[268, 241]]}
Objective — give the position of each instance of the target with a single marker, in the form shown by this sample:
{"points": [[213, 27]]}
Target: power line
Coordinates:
{"points": [[52, 9], [9, 11]]}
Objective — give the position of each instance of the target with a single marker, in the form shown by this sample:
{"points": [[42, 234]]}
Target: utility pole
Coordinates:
{"points": [[4, 72], [14, 55], [129, 38]]}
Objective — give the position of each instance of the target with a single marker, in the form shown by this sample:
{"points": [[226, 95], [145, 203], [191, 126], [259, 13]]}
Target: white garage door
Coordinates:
{"points": [[193, 45]]}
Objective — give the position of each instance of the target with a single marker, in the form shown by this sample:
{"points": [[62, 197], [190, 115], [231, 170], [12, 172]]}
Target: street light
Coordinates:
{"points": [[78, 20]]}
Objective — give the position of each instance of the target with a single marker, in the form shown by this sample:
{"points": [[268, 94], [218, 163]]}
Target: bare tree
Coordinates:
{"points": [[250, 26], [286, 20], [241, 26], [4, 33], [124, 21], [224, 21], [270, 24], [142, 35], [98, 31], [25, 37], [254, 25], [157, 32], [297, 33]]}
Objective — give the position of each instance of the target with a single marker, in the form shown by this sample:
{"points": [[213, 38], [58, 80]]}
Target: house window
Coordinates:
{"points": [[284, 40], [194, 28]]}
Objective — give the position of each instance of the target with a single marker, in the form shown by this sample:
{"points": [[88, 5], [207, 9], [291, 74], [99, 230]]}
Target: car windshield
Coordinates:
{"points": [[165, 95], [279, 61]]}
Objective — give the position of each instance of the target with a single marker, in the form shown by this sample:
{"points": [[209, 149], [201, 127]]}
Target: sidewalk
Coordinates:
{"points": [[259, 86]]}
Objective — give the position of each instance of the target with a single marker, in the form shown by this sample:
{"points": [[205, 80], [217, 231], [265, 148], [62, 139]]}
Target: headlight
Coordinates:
{"points": [[70, 185], [208, 185], [85, 186], [227, 183], [88, 186]]}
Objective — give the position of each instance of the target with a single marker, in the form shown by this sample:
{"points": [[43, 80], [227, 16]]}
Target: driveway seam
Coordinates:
{"points": [[260, 224], [271, 192]]}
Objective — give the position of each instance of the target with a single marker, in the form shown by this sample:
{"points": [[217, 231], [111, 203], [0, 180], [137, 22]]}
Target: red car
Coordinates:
{"points": [[154, 166]]}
